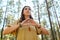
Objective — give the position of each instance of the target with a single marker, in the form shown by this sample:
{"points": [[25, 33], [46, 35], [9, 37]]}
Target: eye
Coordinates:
{"points": [[25, 8], [29, 9]]}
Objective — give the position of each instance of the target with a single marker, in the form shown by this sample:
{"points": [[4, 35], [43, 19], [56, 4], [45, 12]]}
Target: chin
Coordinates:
{"points": [[28, 15]]}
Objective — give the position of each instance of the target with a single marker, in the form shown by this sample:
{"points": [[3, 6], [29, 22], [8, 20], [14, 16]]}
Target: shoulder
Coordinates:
{"points": [[16, 21]]}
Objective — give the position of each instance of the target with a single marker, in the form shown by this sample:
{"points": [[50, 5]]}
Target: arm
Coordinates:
{"points": [[10, 28], [43, 30], [13, 33]]}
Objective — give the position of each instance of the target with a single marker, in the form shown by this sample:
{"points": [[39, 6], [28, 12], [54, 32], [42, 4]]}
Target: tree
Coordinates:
{"points": [[56, 18], [1, 15], [50, 20]]}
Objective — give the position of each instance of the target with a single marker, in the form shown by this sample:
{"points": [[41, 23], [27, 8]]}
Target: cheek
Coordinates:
{"points": [[24, 12]]}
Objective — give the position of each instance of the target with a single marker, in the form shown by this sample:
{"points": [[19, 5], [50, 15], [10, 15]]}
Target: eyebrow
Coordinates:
{"points": [[29, 7]]}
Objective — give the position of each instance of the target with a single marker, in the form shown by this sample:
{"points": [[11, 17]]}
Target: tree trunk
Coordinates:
{"points": [[57, 19], [50, 21]]}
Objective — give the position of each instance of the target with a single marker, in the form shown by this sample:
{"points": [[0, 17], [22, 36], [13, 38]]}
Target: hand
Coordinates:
{"points": [[34, 23], [44, 31], [25, 21]]}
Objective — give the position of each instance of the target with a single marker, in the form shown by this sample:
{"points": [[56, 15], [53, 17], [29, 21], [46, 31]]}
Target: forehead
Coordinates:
{"points": [[27, 7]]}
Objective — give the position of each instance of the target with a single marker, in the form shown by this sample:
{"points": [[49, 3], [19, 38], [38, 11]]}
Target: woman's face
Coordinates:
{"points": [[27, 11]]}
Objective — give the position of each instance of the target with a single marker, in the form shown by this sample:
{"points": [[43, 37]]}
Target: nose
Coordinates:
{"points": [[28, 10]]}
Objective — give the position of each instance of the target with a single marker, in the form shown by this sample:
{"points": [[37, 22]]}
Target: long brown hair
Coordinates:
{"points": [[22, 18]]}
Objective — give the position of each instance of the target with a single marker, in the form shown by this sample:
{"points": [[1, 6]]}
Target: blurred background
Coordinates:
{"points": [[45, 12]]}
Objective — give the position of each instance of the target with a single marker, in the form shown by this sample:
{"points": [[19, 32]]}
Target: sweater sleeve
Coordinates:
{"points": [[15, 32]]}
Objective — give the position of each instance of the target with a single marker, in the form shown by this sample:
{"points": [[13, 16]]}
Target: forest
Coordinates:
{"points": [[45, 12]]}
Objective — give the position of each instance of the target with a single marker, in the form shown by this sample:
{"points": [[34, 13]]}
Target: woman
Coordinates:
{"points": [[27, 28]]}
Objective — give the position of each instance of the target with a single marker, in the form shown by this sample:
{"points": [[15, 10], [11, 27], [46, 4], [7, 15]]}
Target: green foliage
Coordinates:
{"points": [[39, 7], [1, 14]]}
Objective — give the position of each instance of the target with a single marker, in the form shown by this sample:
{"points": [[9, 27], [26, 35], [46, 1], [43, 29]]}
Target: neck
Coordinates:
{"points": [[26, 17]]}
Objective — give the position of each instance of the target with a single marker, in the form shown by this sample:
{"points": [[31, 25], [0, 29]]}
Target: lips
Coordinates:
{"points": [[28, 12]]}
